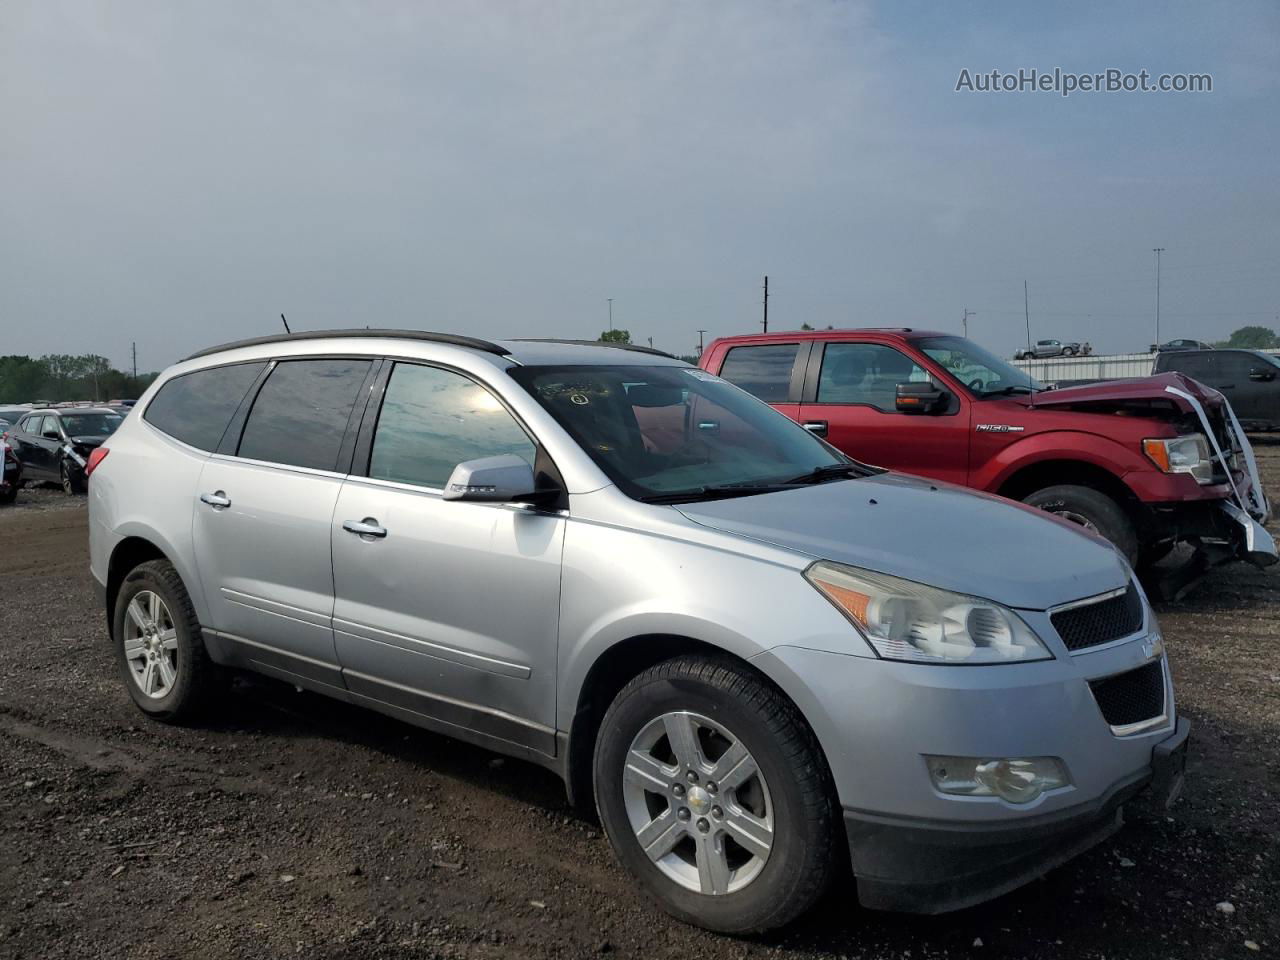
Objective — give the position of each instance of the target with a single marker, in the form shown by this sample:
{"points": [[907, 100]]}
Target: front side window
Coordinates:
{"points": [[980, 370], [301, 413], [662, 432], [197, 407], [763, 371], [432, 420], [866, 373]]}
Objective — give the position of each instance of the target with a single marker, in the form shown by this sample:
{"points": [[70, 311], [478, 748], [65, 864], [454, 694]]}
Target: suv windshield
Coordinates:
{"points": [[676, 433], [90, 424], [985, 374]]}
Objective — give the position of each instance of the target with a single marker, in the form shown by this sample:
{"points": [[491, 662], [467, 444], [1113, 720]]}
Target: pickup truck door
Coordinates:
{"points": [[1248, 397], [851, 388]]}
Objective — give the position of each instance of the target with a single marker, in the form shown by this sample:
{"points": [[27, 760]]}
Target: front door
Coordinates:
{"points": [[446, 613], [262, 519], [854, 400]]}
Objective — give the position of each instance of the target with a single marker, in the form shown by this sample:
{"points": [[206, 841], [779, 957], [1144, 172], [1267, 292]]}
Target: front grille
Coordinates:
{"points": [[1131, 697], [1090, 624]]}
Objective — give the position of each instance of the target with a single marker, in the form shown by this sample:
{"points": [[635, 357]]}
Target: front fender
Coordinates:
{"points": [[1098, 451]]}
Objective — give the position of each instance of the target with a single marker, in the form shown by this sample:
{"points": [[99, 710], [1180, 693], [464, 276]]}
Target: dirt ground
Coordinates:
{"points": [[298, 826]]}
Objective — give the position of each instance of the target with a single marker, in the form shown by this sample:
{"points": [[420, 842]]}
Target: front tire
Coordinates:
{"points": [[159, 647], [72, 481], [714, 794], [1093, 510]]}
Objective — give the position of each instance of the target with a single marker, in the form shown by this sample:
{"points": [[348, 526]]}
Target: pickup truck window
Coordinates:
{"points": [[866, 373], [763, 371], [981, 371]]}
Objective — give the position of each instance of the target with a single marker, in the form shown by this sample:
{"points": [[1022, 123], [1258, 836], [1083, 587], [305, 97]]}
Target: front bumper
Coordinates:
{"points": [[920, 866]]}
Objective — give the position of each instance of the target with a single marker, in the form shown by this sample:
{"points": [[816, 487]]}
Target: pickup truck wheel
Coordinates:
{"points": [[715, 796], [1093, 510], [159, 647]]}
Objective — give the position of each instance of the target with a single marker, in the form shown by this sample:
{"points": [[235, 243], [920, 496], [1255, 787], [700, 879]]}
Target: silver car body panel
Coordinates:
{"points": [[485, 620]]}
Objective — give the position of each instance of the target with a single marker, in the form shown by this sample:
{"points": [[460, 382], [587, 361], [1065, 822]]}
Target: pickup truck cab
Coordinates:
{"points": [[1144, 463]]}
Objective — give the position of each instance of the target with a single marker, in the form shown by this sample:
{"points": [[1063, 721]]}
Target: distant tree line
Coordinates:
{"points": [[64, 376], [1251, 338]]}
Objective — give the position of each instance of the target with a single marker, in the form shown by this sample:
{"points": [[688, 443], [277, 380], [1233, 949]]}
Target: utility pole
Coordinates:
{"points": [[1157, 251], [135, 365], [610, 313], [700, 333], [766, 304], [650, 343], [1026, 306], [967, 314]]}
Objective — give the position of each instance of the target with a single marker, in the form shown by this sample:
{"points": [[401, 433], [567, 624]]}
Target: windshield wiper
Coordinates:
{"points": [[1006, 391], [833, 471], [722, 491]]}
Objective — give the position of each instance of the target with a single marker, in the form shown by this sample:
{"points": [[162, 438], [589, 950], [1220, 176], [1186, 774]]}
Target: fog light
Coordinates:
{"points": [[1017, 780]]}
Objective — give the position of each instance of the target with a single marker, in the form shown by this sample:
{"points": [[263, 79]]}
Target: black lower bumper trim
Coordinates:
{"points": [[918, 866]]}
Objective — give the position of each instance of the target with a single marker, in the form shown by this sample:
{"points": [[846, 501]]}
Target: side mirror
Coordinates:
{"points": [[500, 479], [1260, 373], [920, 397], [51, 435]]}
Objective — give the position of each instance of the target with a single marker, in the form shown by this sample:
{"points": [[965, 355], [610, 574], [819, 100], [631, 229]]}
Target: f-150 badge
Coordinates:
{"points": [[997, 428]]}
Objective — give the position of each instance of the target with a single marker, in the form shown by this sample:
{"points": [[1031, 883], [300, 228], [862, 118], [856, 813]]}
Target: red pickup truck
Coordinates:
{"points": [[1145, 463]]}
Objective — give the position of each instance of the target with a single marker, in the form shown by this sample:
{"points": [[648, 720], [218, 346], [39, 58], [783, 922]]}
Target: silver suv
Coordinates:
{"points": [[755, 655]]}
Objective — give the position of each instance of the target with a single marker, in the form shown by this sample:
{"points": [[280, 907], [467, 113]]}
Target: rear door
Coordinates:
{"points": [[852, 389], [264, 505], [34, 451], [449, 611], [1248, 397]]}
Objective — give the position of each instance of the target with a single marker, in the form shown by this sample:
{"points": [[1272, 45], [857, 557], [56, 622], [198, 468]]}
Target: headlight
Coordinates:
{"points": [[903, 620], [1187, 454]]}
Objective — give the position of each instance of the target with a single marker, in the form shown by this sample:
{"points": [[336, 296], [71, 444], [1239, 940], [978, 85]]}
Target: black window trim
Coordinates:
{"points": [[814, 371], [544, 466]]}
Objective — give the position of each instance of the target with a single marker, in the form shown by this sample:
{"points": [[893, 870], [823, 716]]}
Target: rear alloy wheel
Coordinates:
{"points": [[714, 794], [1091, 509], [159, 647]]}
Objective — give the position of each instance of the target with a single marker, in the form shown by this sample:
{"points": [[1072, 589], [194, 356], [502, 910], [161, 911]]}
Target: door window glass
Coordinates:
{"points": [[196, 407], [866, 373], [33, 425], [764, 371], [301, 413], [432, 420]]}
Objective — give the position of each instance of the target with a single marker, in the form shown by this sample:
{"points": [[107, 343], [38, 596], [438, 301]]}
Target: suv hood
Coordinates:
{"points": [[89, 440], [933, 533], [1127, 393]]}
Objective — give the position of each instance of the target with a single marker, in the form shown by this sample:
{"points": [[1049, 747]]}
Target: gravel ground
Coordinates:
{"points": [[298, 826]]}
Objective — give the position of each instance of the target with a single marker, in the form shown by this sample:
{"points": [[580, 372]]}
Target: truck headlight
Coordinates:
{"points": [[1185, 454], [903, 620], [1017, 780]]}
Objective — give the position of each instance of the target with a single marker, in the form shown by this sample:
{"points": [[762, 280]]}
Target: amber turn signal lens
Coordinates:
{"points": [[1158, 452]]}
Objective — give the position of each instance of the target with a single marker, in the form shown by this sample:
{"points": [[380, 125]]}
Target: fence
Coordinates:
{"points": [[1113, 367]]}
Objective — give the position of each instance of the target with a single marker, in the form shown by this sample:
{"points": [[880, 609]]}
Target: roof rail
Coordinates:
{"points": [[597, 343], [453, 339]]}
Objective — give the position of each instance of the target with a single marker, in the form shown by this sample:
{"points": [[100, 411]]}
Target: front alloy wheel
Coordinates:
{"points": [[715, 795], [698, 803]]}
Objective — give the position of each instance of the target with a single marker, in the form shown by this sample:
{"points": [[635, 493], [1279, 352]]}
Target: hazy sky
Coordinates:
{"points": [[179, 173]]}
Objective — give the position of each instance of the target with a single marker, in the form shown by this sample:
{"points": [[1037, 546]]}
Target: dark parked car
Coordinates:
{"points": [[1174, 345], [1248, 378], [55, 444]]}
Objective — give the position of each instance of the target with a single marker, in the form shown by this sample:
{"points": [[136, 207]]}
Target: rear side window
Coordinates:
{"points": [[301, 412], [1193, 365], [196, 407], [432, 420], [764, 370]]}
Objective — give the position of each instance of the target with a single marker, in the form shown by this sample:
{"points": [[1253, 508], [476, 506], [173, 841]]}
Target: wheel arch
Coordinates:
{"points": [[125, 556], [1051, 472], [609, 673]]}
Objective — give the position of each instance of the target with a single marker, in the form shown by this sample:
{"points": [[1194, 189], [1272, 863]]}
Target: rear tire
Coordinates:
{"points": [[1092, 510], [159, 647], [742, 857]]}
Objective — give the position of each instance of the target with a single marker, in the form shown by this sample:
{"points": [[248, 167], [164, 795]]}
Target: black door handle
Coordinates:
{"points": [[817, 427]]}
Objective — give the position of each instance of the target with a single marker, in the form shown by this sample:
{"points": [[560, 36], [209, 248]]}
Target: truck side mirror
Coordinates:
{"points": [[920, 397], [1261, 373]]}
